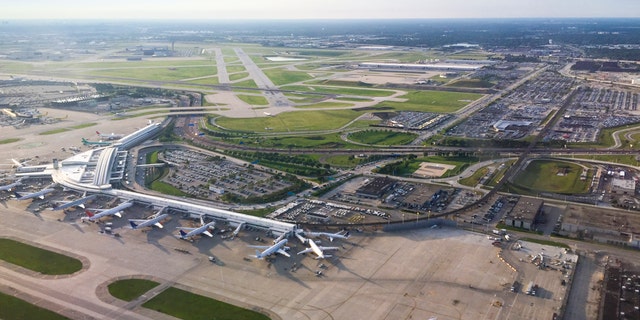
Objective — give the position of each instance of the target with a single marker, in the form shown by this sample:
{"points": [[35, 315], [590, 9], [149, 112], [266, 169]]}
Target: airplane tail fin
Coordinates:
{"points": [[133, 225], [18, 196], [118, 214], [89, 213], [257, 254], [97, 132], [183, 234], [347, 235]]}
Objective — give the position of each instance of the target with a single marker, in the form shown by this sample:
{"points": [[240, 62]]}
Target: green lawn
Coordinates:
{"points": [[12, 308], [475, 178], [433, 101], [238, 76], [235, 68], [84, 125], [130, 289], [253, 100], [160, 74], [341, 90], [314, 141], [9, 140], [383, 137], [292, 121], [327, 104], [188, 306], [281, 77], [246, 83], [54, 131], [553, 176], [37, 259]]}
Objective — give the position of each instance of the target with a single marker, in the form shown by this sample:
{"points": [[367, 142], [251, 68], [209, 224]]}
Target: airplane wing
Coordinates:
{"points": [[305, 251], [284, 253], [328, 248], [260, 247]]}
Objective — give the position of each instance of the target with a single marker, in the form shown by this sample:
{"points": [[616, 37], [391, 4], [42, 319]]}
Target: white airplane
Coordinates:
{"points": [[237, 230], [113, 136], [331, 236], [268, 250], [202, 229], [282, 236], [40, 194], [8, 187], [154, 221], [318, 250], [79, 202], [115, 211]]}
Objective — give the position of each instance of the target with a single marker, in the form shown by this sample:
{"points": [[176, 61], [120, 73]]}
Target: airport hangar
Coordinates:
{"points": [[95, 170]]}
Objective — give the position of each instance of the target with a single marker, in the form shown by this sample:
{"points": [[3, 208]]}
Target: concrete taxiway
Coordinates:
{"points": [[443, 273]]}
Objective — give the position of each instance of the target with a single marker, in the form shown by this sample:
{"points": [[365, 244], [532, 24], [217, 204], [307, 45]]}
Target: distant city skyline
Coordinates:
{"points": [[309, 9]]}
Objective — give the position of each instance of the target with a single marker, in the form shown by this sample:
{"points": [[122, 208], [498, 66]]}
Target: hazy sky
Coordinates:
{"points": [[313, 9]]}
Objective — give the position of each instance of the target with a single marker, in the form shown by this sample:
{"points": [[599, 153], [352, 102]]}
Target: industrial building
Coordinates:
{"points": [[525, 213], [376, 188], [414, 67]]}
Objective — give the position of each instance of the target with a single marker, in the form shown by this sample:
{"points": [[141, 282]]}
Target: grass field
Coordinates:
{"points": [[383, 137], [188, 306], [292, 121], [9, 140], [553, 176], [246, 83], [160, 74], [37, 259], [471, 83], [12, 308], [341, 90], [238, 76], [84, 125], [54, 131], [282, 77], [327, 104], [342, 161], [475, 178], [130, 289], [433, 101], [314, 141], [253, 100]]}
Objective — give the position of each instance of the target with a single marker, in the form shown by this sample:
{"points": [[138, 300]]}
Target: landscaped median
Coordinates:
{"points": [[37, 259], [180, 303]]}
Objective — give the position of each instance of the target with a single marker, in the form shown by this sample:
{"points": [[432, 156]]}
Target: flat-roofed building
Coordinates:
{"points": [[623, 186], [608, 225], [525, 213], [376, 188]]}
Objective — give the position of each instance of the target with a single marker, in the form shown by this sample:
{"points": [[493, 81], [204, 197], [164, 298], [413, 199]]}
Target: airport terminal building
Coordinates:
{"points": [[96, 170]]}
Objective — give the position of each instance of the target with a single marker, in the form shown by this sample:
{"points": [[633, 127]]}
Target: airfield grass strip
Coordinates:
{"points": [[37, 259], [189, 306], [10, 140], [12, 308], [130, 289]]}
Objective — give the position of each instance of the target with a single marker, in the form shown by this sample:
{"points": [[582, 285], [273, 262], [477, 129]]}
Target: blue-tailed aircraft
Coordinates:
{"points": [[269, 250], [152, 221], [10, 186], [40, 194], [79, 202], [202, 229]]}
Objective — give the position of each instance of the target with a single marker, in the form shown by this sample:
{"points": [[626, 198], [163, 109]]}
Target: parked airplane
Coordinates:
{"points": [[8, 187], [331, 236], [318, 250], [115, 211], [40, 194], [237, 230], [112, 136], [282, 236], [79, 202], [154, 221], [276, 248], [202, 229], [95, 143]]}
